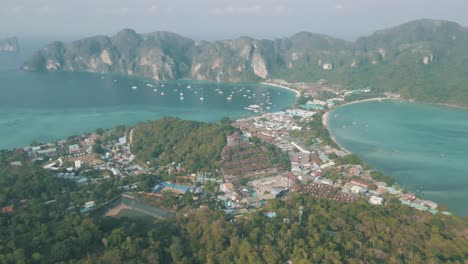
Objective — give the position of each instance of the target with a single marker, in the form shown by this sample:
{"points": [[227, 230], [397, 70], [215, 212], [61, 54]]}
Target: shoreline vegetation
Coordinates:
{"points": [[326, 124], [146, 167], [325, 116]]}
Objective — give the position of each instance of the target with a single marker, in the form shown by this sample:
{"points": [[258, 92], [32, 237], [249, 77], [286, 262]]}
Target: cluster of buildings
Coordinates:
{"points": [[249, 177], [242, 159], [237, 198], [74, 147], [310, 165]]}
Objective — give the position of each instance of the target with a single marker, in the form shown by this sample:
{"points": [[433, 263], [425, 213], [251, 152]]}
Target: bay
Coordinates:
{"points": [[48, 106], [423, 147]]}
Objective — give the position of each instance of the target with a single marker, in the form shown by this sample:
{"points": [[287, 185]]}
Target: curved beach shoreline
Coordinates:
{"points": [[298, 94], [326, 115]]}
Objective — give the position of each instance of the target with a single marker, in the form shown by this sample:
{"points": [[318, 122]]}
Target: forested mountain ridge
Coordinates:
{"points": [[424, 59]]}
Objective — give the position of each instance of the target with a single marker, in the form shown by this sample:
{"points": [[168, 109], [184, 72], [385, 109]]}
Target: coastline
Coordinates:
{"points": [[325, 122], [325, 116], [298, 94]]}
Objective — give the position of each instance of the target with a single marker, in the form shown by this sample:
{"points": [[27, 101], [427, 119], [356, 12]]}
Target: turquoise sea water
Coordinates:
{"points": [[423, 147], [49, 106]]}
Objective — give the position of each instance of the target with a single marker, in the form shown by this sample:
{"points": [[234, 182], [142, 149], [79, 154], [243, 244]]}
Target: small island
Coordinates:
{"points": [[9, 45]]}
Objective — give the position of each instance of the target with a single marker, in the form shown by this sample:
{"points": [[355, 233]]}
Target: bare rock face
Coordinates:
{"points": [[259, 66], [381, 60], [105, 57]]}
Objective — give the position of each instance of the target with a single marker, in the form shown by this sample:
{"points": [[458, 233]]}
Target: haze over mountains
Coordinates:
{"points": [[424, 59], [9, 45]]}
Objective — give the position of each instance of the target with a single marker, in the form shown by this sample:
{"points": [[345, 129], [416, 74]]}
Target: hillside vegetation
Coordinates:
{"points": [[194, 144], [425, 59], [42, 222], [329, 231]]}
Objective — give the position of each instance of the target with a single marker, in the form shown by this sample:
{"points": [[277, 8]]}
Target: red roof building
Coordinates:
{"points": [[7, 209]]}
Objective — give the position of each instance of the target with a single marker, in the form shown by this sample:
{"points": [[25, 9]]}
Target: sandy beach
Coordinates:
{"points": [[325, 123], [298, 94]]}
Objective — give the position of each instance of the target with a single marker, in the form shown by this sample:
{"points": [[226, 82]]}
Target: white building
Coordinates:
{"points": [[327, 66], [300, 113], [376, 200], [358, 189], [122, 140], [322, 180]]}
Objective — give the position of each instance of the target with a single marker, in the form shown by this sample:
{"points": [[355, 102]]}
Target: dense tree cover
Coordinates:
{"points": [[378, 176], [97, 148], [30, 183], [46, 227], [196, 145], [349, 159], [329, 232]]}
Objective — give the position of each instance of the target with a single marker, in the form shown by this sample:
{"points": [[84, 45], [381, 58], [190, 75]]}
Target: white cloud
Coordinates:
{"points": [[17, 9], [339, 7], [152, 10], [46, 10], [123, 11], [238, 10], [281, 9]]}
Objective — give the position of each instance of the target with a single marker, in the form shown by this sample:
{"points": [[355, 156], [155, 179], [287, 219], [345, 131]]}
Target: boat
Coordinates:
{"points": [[181, 94], [253, 107], [134, 87], [162, 85], [155, 90], [201, 98], [149, 85], [189, 86], [162, 93], [181, 98], [229, 98]]}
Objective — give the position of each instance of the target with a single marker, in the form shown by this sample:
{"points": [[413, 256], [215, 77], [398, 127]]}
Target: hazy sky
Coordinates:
{"points": [[217, 19]]}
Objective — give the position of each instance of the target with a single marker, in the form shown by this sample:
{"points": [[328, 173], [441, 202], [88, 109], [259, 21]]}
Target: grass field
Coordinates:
{"points": [[134, 214]]}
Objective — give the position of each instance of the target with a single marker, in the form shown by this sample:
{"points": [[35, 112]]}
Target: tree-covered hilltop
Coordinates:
{"points": [[424, 59], [195, 145], [40, 231], [42, 220]]}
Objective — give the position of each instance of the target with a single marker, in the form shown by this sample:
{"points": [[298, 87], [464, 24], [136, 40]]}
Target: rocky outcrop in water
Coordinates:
{"points": [[9, 45]]}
